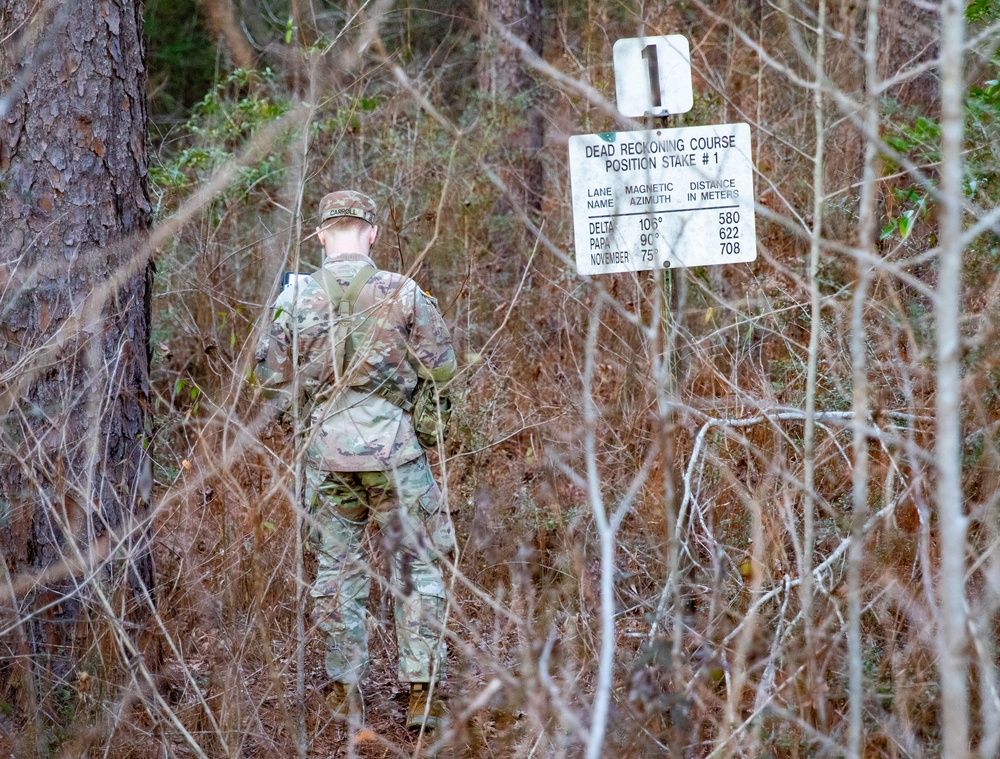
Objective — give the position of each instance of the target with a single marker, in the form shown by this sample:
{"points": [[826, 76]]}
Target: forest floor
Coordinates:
{"points": [[226, 578]]}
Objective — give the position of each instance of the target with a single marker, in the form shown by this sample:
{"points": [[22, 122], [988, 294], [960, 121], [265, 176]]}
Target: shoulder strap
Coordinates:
{"points": [[344, 300], [362, 278], [330, 286]]}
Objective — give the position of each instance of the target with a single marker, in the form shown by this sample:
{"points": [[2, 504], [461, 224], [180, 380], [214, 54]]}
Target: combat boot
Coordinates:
{"points": [[343, 698], [417, 713]]}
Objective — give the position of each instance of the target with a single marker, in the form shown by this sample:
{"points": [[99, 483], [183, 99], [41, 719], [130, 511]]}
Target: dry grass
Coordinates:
{"points": [[700, 458]]}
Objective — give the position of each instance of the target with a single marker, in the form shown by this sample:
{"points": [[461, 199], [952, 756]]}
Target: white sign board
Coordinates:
{"points": [[653, 75], [662, 198]]}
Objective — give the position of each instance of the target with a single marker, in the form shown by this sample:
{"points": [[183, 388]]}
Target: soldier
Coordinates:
{"points": [[365, 338]]}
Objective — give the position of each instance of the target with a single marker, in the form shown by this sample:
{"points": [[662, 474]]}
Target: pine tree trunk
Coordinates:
{"points": [[508, 80], [75, 277], [910, 35]]}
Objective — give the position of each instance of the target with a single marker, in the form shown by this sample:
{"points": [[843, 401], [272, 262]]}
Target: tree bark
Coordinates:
{"points": [[75, 476], [513, 92], [909, 36]]}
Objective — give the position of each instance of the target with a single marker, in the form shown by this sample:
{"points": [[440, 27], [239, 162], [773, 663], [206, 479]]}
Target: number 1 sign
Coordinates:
{"points": [[653, 75]]}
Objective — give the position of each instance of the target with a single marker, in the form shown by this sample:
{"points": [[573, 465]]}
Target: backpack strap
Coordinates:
{"points": [[362, 278], [344, 300], [396, 398], [329, 284]]}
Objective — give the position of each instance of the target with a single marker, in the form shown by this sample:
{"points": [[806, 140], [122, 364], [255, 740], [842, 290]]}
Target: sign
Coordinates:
{"points": [[662, 198], [653, 75]]}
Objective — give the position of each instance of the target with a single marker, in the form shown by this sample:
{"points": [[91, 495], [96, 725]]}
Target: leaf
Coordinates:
{"points": [[904, 227], [926, 128], [899, 144], [906, 222], [288, 31]]}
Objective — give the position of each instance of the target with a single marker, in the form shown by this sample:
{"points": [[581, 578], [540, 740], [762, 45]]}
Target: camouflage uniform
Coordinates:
{"points": [[363, 459]]}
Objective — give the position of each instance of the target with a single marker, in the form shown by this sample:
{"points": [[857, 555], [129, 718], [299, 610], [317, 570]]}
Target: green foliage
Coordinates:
{"points": [[236, 107], [345, 118], [220, 124], [914, 205], [982, 10], [913, 134], [983, 130], [982, 170]]}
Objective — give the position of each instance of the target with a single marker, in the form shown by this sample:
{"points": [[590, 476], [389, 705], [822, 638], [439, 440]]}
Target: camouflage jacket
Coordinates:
{"points": [[401, 337]]}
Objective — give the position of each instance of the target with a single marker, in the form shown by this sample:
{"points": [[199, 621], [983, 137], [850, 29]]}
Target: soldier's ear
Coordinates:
{"points": [[372, 234]]}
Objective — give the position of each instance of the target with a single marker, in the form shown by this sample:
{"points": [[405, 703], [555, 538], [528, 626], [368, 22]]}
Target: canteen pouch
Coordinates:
{"points": [[431, 413]]}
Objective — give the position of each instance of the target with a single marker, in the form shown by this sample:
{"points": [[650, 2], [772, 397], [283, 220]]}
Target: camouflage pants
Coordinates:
{"points": [[407, 508]]}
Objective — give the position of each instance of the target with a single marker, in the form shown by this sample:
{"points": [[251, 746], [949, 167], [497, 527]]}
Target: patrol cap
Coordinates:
{"points": [[347, 203]]}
